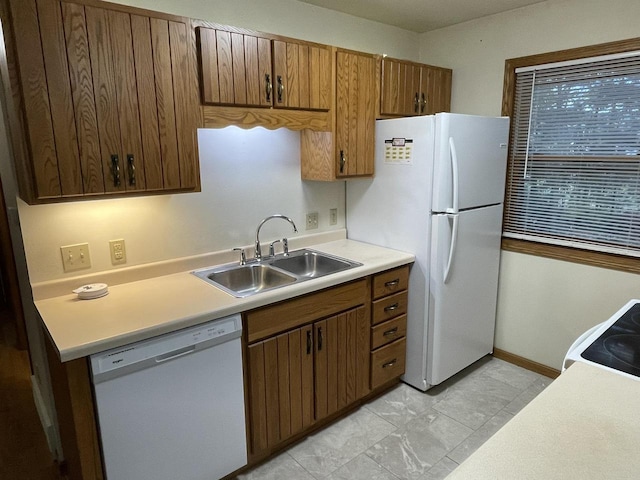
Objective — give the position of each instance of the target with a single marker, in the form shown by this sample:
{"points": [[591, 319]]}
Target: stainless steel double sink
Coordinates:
{"points": [[273, 272]]}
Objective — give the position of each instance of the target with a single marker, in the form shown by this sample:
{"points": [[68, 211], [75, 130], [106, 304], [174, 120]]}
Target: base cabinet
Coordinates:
{"points": [[299, 376]]}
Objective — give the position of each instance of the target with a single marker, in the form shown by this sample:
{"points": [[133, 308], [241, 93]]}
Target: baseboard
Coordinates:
{"points": [[45, 420], [526, 363]]}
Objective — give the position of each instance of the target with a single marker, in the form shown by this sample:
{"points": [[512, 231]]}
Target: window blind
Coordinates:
{"points": [[575, 155]]}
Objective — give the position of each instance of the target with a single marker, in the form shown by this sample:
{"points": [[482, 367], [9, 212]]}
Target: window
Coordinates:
{"points": [[574, 158]]}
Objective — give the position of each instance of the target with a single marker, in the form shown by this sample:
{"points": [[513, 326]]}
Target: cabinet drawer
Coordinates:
{"points": [[388, 362], [392, 281], [389, 307], [389, 331]]}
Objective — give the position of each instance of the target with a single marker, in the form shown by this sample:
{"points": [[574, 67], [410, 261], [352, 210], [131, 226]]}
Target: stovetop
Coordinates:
{"points": [[619, 346]]}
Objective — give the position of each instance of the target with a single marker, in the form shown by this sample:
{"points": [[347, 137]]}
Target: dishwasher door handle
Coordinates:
{"points": [[175, 354]]}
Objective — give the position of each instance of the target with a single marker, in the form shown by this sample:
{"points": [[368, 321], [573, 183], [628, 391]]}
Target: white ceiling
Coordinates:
{"points": [[421, 15]]}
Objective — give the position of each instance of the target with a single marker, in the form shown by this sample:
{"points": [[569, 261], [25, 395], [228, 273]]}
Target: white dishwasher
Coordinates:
{"points": [[172, 407]]}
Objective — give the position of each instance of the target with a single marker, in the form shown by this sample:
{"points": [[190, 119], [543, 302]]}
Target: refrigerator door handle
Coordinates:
{"points": [[454, 176], [452, 246]]}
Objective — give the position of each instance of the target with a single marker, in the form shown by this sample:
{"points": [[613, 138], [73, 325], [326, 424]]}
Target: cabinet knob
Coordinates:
{"points": [[391, 308], [343, 161], [391, 332], [280, 88], [268, 86], [319, 339], [115, 170], [309, 342], [132, 169], [423, 104], [416, 104], [390, 364]]}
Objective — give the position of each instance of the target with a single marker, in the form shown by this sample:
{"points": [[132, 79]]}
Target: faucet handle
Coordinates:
{"points": [[243, 257], [285, 246], [272, 250]]}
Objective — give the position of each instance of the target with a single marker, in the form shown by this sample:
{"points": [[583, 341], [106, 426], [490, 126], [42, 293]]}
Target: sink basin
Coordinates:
{"points": [[300, 265], [245, 280], [310, 264]]}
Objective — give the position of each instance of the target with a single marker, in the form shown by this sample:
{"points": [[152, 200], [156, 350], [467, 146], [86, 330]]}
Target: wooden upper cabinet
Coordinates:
{"points": [[240, 69], [235, 69], [102, 100], [410, 88], [355, 113], [347, 148], [302, 74]]}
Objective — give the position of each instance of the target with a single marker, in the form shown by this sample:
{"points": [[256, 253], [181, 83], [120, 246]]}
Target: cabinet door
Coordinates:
{"points": [[435, 90], [342, 361], [235, 69], [355, 114], [109, 100], [400, 88], [302, 76], [280, 387]]}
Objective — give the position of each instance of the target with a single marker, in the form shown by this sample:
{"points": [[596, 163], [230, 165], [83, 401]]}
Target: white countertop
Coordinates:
{"points": [[145, 308], [585, 425]]}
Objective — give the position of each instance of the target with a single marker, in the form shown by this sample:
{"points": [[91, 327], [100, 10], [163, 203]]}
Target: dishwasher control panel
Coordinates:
{"points": [[168, 346]]}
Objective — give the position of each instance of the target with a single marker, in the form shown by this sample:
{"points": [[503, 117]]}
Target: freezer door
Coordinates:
{"points": [[470, 160], [462, 309]]}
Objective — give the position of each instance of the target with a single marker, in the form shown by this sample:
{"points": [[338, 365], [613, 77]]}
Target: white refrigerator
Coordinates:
{"points": [[437, 192]]}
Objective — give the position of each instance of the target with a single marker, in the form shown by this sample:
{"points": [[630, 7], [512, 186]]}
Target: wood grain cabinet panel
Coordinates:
{"points": [[113, 111], [409, 88], [347, 149], [303, 375], [240, 69]]}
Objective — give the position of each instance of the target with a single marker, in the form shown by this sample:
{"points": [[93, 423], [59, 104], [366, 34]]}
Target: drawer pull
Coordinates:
{"points": [[392, 283], [391, 332], [391, 308], [390, 364]]}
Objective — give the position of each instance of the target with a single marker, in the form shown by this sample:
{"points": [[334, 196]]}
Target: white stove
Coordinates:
{"points": [[613, 345]]}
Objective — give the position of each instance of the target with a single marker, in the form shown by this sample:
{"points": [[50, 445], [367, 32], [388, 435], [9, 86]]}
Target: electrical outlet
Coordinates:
{"points": [[312, 220], [75, 257], [333, 216], [118, 253]]}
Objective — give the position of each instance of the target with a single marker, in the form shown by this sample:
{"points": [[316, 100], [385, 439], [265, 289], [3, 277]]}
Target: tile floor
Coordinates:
{"points": [[408, 434]]}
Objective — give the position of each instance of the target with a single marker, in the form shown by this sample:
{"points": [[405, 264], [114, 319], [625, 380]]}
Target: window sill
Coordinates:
{"points": [[575, 255]]}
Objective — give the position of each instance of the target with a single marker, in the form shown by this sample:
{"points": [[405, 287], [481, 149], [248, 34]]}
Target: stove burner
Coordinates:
{"points": [[625, 348]]}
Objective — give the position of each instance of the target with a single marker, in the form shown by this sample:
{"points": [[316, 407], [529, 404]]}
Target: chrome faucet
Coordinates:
{"points": [[258, 254]]}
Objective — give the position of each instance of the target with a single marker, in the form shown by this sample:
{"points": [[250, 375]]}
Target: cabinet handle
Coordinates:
{"points": [[392, 283], [309, 342], [343, 161], [268, 86], [115, 170], [423, 105], [416, 104], [391, 332], [280, 88], [319, 338], [132, 169], [390, 364], [391, 308]]}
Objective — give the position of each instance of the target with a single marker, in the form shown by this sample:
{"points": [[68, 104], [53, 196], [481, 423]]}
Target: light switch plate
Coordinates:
{"points": [[75, 257], [333, 216], [312, 220], [118, 252]]}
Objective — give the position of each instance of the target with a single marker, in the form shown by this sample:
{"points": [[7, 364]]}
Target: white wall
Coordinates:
{"points": [[543, 304], [246, 176], [297, 20]]}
